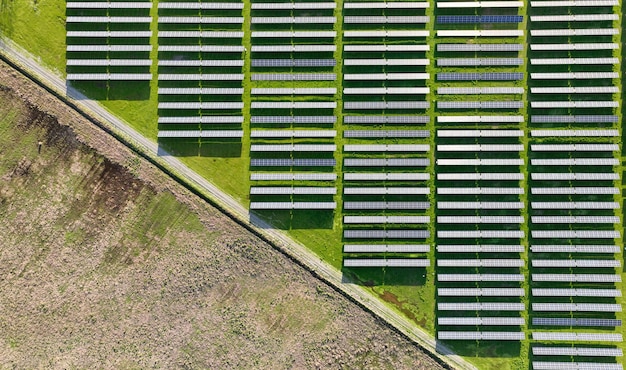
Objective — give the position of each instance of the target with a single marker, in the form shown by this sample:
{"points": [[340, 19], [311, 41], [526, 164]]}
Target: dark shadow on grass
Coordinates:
{"points": [[194, 147], [482, 349], [285, 219], [393, 276], [108, 90]]}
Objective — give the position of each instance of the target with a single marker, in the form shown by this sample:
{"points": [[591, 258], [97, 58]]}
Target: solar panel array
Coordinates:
{"points": [[293, 41], [96, 34], [381, 41], [574, 152], [478, 170]]}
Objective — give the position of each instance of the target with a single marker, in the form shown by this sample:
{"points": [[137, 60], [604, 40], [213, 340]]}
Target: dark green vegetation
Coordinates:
{"points": [[108, 264]]}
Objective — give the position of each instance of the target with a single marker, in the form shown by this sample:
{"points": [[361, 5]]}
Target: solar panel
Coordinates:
{"points": [[385, 76], [201, 77], [479, 47], [386, 90], [109, 19], [573, 75], [483, 191], [480, 292], [574, 337], [403, 33], [386, 133], [293, 119], [369, 176], [476, 335], [386, 105], [201, 63], [293, 20], [574, 234], [574, 46], [480, 33], [576, 32], [479, 90], [574, 104], [414, 119], [540, 365], [294, 91], [610, 249], [575, 176], [108, 62], [480, 205], [574, 205], [480, 219], [292, 133], [576, 307], [575, 90], [386, 234], [293, 148], [195, 5], [480, 104], [480, 4], [480, 133], [480, 162], [456, 19], [294, 34], [386, 219], [500, 176], [477, 248], [386, 191], [200, 20], [575, 162], [386, 248], [200, 91], [480, 262], [107, 5], [293, 105], [565, 61], [198, 133], [385, 19], [281, 190], [386, 5], [293, 5], [480, 277], [385, 47], [389, 262], [481, 119], [574, 133], [115, 34], [574, 147], [567, 3], [574, 119], [292, 205], [201, 34], [577, 351], [279, 162], [139, 48], [579, 278], [576, 322], [386, 205], [575, 219], [206, 105], [293, 62], [109, 76], [257, 176], [480, 234], [485, 306], [479, 321], [474, 76], [480, 148], [293, 77], [574, 18], [292, 48], [380, 162]]}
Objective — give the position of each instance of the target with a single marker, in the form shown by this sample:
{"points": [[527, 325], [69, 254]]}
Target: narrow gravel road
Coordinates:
{"points": [[295, 249]]}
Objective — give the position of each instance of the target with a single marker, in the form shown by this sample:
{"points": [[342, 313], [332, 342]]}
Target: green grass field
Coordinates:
{"points": [[39, 27]]}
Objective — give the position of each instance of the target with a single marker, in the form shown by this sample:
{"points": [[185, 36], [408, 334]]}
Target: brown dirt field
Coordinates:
{"points": [[107, 263]]}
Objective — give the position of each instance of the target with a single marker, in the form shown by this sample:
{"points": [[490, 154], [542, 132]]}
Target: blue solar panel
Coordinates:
{"points": [[489, 76], [480, 19]]}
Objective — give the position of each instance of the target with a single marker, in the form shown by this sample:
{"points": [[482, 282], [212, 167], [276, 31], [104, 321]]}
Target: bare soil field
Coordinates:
{"points": [[107, 263]]}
